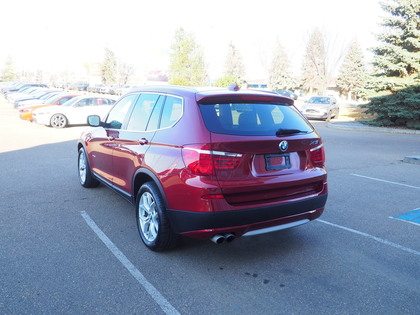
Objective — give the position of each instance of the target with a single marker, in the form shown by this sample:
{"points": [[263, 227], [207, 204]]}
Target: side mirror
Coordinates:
{"points": [[94, 121]]}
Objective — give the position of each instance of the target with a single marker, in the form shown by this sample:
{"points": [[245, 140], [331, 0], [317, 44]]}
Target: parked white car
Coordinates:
{"points": [[321, 107], [73, 112]]}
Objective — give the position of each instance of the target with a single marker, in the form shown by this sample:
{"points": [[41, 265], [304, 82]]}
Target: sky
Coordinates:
{"points": [[58, 35]]}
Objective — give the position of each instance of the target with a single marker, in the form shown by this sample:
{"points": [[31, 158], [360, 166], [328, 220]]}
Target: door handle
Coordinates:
{"points": [[143, 141]]}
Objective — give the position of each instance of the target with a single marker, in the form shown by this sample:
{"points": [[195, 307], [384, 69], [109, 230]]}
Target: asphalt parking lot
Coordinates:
{"points": [[66, 249]]}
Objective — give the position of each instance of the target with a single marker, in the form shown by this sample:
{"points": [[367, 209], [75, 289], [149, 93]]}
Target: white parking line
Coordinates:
{"points": [[380, 240], [405, 221], [386, 181], [154, 293]]}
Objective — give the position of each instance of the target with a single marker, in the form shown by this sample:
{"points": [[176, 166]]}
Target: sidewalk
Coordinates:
{"points": [[351, 115], [347, 124]]}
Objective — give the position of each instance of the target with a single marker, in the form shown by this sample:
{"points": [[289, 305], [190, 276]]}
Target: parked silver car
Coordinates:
{"points": [[321, 107]]}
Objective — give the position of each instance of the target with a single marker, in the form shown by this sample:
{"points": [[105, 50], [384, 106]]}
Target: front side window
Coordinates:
{"points": [[64, 99], [71, 102], [119, 112], [249, 119], [84, 102]]}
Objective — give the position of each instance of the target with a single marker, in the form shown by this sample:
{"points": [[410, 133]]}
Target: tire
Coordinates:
{"points": [[58, 121], [86, 178], [329, 116], [153, 225]]}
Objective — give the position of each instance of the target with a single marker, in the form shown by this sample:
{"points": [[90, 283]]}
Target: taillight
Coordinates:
{"points": [[318, 156], [201, 160]]}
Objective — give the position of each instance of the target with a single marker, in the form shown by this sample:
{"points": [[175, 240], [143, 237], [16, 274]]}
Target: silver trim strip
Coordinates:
{"points": [[276, 228], [317, 148]]}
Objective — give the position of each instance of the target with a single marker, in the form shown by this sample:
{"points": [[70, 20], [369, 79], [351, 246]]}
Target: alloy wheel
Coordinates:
{"points": [[82, 167], [58, 121], [148, 217]]}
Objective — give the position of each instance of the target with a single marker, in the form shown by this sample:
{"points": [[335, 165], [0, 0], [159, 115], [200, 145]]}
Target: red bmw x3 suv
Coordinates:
{"points": [[211, 164]]}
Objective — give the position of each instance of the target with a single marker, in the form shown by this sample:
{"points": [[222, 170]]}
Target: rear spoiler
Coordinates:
{"points": [[242, 97]]}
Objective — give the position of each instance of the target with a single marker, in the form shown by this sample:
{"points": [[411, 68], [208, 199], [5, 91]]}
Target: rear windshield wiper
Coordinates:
{"points": [[282, 132]]}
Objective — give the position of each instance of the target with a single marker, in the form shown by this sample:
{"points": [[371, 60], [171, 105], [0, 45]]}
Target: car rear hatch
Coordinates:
{"points": [[263, 150]]}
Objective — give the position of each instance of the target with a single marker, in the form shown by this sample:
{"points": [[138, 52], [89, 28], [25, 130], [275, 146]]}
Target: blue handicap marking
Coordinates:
{"points": [[411, 216]]}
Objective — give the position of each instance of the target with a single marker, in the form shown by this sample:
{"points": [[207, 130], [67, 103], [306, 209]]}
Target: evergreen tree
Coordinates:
{"points": [[314, 68], [397, 64], [352, 76], [227, 80], [9, 72], [397, 57], [279, 72], [234, 64], [109, 67], [186, 65]]}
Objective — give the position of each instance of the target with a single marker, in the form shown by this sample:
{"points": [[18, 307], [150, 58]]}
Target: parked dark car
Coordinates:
{"points": [[22, 86], [210, 164], [288, 94], [95, 88], [40, 95], [79, 86]]}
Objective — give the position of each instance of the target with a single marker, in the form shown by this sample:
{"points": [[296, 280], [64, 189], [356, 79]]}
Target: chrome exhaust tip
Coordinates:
{"points": [[229, 237], [218, 239]]}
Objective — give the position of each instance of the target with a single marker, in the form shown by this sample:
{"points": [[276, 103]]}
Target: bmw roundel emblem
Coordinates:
{"points": [[283, 146]]}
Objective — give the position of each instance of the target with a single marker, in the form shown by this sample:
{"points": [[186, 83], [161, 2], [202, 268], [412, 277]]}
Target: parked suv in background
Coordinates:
{"points": [[210, 164]]}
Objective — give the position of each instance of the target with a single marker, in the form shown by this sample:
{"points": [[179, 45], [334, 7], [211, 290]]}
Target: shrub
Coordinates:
{"points": [[401, 108]]}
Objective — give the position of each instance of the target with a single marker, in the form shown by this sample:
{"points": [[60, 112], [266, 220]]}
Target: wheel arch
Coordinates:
{"points": [[79, 146], [142, 176]]}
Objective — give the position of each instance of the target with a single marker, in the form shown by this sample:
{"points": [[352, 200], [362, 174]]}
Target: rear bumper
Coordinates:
{"points": [[206, 224]]}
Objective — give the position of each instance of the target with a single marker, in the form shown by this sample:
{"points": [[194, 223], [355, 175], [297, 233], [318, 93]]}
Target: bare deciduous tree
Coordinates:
{"points": [[323, 55]]}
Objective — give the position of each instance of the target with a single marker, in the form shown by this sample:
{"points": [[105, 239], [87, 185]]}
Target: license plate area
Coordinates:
{"points": [[277, 162]]}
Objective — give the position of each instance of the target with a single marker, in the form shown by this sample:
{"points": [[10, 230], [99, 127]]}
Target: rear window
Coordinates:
{"points": [[250, 119]]}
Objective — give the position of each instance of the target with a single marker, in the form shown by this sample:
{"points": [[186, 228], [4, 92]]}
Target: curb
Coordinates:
{"points": [[357, 126], [412, 160]]}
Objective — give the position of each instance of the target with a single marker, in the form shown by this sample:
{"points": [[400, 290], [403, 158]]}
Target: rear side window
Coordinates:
{"points": [[103, 101], [155, 117], [172, 112], [252, 119]]}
